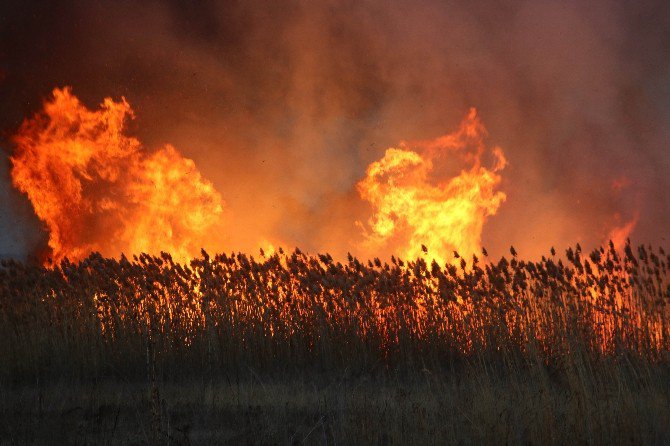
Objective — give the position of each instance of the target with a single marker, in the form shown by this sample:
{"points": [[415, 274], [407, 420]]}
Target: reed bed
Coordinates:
{"points": [[296, 310], [292, 348]]}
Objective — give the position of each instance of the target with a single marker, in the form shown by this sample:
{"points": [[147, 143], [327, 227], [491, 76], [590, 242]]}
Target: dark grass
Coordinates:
{"points": [[294, 349]]}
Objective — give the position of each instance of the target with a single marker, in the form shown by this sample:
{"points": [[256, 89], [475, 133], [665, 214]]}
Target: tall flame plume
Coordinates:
{"points": [[433, 197], [97, 189]]}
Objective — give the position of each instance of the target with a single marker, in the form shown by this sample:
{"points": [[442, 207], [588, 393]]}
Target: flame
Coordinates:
{"points": [[269, 247], [420, 209], [620, 233], [97, 189], [621, 230]]}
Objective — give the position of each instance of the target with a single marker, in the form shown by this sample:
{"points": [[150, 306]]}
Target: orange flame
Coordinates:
{"points": [[417, 201], [97, 189], [620, 233]]}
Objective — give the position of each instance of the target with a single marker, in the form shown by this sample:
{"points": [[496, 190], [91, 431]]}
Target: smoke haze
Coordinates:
{"points": [[282, 106]]}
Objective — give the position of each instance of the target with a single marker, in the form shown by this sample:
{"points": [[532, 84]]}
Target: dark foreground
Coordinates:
{"points": [[298, 349], [616, 405]]}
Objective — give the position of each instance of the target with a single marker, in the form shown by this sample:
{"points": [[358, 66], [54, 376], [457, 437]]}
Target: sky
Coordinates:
{"points": [[283, 105]]}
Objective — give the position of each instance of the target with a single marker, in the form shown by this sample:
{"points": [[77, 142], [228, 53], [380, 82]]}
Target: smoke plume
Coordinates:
{"points": [[283, 106]]}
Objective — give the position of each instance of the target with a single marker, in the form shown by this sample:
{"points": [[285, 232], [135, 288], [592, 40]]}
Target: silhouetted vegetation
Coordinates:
{"points": [[290, 347]]}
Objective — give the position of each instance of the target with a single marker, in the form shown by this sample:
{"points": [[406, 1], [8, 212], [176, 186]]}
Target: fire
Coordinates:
{"points": [[97, 189], [418, 203], [620, 233]]}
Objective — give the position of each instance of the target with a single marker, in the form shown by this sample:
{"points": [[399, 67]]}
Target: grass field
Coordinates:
{"points": [[299, 349]]}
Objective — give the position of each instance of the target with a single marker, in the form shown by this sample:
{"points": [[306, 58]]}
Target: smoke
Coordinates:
{"points": [[19, 228], [282, 106]]}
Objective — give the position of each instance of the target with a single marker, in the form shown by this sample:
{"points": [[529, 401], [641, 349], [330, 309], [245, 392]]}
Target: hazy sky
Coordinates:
{"points": [[284, 104]]}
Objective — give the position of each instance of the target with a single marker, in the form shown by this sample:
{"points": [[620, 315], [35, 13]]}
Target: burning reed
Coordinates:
{"points": [[297, 310], [297, 348]]}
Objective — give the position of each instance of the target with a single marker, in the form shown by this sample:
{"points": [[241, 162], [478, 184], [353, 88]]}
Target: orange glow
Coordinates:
{"points": [[620, 233], [417, 201], [97, 189]]}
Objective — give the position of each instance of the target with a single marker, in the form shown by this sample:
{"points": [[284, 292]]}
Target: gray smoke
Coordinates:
{"points": [[283, 106], [19, 233]]}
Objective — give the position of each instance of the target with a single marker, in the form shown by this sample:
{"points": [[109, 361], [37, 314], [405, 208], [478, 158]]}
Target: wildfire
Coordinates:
{"points": [[97, 189], [621, 232], [420, 202]]}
